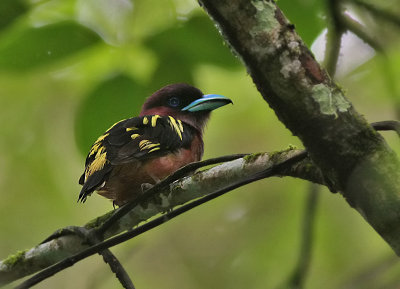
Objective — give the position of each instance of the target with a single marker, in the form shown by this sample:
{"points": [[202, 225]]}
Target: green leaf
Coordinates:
{"points": [[171, 70], [117, 98], [306, 15], [35, 47], [11, 10], [195, 41]]}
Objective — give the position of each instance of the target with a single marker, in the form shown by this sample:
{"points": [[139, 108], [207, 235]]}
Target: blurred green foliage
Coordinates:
{"points": [[118, 97], [10, 10], [180, 42], [306, 15], [43, 45], [69, 69]]}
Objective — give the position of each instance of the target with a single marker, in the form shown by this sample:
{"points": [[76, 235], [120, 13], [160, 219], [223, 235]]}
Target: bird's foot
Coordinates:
{"points": [[146, 186]]}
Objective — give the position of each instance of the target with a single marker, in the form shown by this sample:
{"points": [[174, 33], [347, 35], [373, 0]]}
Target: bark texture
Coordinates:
{"points": [[184, 190], [352, 156]]}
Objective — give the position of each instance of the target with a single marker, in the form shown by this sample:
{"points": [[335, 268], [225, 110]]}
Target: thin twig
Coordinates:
{"points": [[49, 271], [118, 269], [108, 257], [393, 125], [301, 270], [359, 30], [334, 37], [377, 270], [378, 12], [332, 50], [92, 238], [112, 261], [122, 211]]}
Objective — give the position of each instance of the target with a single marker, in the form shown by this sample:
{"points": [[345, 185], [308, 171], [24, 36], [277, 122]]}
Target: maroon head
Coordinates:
{"points": [[184, 102]]}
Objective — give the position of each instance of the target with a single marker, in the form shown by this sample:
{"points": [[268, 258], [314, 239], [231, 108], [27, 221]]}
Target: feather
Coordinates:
{"points": [[131, 140]]}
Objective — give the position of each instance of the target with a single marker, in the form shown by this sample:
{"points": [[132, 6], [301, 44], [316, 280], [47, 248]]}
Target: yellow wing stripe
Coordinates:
{"points": [[155, 149], [175, 126], [97, 164], [143, 143], [115, 124], [102, 137], [97, 144], [180, 125], [146, 144], [150, 146], [135, 135], [94, 149], [154, 120], [100, 151]]}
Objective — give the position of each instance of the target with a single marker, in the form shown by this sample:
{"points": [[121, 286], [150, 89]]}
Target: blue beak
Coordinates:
{"points": [[207, 102]]}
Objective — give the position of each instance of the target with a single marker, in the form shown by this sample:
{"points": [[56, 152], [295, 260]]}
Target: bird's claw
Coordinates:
{"points": [[146, 186]]}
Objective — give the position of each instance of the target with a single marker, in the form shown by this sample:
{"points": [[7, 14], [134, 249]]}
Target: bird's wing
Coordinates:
{"points": [[129, 140]]}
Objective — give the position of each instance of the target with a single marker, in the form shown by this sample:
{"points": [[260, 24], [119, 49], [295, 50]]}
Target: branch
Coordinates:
{"points": [[223, 177], [189, 188], [366, 278], [182, 172], [352, 156], [339, 140], [276, 168], [378, 12], [299, 274], [392, 125], [334, 37], [89, 237], [359, 30], [116, 268]]}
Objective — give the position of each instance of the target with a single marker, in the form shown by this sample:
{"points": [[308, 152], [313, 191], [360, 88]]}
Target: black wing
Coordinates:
{"points": [[129, 140]]}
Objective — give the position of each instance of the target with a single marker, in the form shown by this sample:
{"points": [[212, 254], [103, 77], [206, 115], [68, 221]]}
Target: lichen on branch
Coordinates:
{"points": [[178, 193], [351, 155]]}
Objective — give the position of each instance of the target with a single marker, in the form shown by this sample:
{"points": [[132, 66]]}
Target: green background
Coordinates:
{"points": [[71, 68]]}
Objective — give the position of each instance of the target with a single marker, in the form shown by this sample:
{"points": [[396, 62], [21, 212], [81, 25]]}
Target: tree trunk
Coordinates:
{"points": [[354, 158]]}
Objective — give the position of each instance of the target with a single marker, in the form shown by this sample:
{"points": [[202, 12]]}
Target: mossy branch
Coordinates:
{"points": [[180, 192], [339, 140]]}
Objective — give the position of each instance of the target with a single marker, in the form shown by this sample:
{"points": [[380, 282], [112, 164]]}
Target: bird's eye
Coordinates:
{"points": [[173, 101]]}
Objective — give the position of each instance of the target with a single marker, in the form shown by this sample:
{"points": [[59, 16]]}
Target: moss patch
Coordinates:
{"points": [[12, 260], [330, 102], [251, 157], [99, 220], [291, 147], [265, 16]]}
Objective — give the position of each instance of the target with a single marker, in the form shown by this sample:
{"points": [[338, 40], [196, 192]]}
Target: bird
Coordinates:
{"points": [[138, 152]]}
